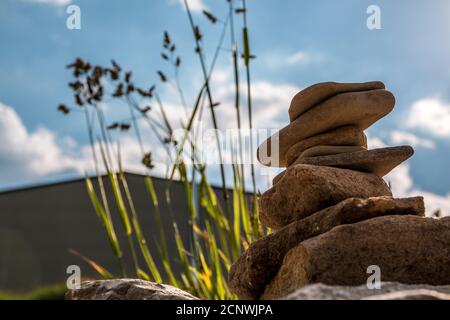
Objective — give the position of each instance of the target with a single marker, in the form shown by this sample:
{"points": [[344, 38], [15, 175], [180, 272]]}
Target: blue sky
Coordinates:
{"points": [[297, 43]]}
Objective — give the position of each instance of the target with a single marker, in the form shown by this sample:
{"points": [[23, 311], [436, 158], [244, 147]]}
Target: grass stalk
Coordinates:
{"points": [[211, 105], [234, 56], [247, 57]]}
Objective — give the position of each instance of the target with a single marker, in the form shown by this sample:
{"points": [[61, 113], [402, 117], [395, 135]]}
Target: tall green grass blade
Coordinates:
{"points": [[151, 190], [236, 217], [171, 277], [187, 130], [107, 223], [214, 253], [119, 202], [143, 275], [184, 259], [246, 53], [116, 192], [146, 252], [162, 236], [188, 192], [137, 228], [105, 274]]}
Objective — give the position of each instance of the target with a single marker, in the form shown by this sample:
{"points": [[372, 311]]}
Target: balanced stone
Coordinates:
{"points": [[345, 136], [360, 109], [329, 150], [376, 161], [305, 189], [407, 249], [309, 97], [386, 291], [250, 274]]}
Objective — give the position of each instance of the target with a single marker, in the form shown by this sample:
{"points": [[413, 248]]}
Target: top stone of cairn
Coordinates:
{"points": [[309, 97], [359, 109]]}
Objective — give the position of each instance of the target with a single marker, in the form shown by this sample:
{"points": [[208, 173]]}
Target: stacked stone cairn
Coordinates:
{"points": [[333, 218]]}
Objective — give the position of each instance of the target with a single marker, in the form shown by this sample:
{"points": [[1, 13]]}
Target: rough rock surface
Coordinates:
{"points": [[408, 249], [305, 189], [360, 109], [345, 136], [309, 97], [127, 289], [377, 161], [259, 264], [387, 291]]}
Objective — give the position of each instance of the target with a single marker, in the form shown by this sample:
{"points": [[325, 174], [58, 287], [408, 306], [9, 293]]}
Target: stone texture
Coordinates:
{"points": [[309, 97], [345, 136], [305, 189], [387, 291], [360, 109], [407, 249], [377, 161], [329, 150], [127, 289], [259, 264]]}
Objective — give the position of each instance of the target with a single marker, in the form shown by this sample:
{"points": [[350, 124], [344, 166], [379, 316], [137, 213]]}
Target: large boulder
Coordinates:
{"points": [[127, 289], [250, 274], [387, 291], [407, 249], [305, 189]]}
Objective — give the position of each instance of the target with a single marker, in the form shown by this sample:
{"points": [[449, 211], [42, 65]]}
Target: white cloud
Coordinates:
{"points": [[431, 115], [29, 155], [270, 101], [299, 56], [403, 137], [375, 142], [52, 2], [36, 153], [402, 185], [277, 59], [194, 5]]}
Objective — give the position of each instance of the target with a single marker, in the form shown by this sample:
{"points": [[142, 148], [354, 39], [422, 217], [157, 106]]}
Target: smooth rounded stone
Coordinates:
{"points": [[250, 274], [329, 150], [407, 249], [345, 136], [309, 97], [376, 161], [413, 294], [387, 291], [304, 190], [127, 289], [360, 109]]}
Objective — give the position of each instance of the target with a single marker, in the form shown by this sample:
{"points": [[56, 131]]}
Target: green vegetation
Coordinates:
{"points": [[222, 229], [52, 292]]}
